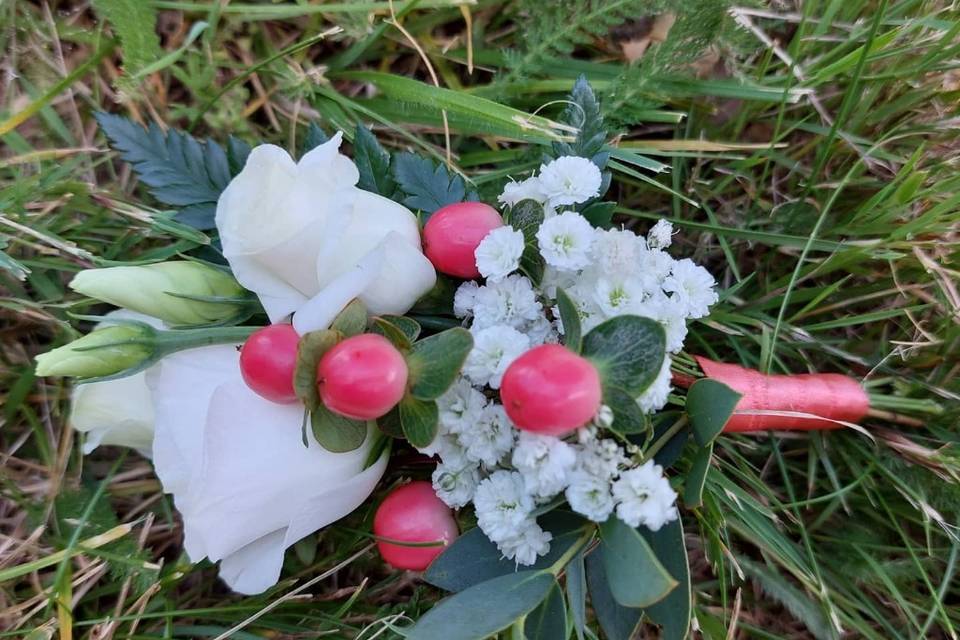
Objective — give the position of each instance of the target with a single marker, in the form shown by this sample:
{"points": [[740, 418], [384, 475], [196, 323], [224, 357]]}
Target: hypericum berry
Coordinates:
{"points": [[362, 377], [413, 513], [452, 234], [551, 390], [267, 361]]}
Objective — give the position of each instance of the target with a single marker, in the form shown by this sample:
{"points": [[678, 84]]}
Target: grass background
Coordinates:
{"points": [[807, 152]]}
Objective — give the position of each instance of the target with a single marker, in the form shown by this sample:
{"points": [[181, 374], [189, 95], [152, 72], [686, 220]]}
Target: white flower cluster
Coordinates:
{"points": [[508, 474]]}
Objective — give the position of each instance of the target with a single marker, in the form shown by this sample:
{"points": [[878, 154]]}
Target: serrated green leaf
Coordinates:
{"points": [[434, 362], [237, 152], [484, 609], [310, 349], [583, 112], [570, 318], [180, 170], [672, 612], [426, 185], [628, 351], [618, 622], [709, 405], [419, 420], [352, 321], [373, 163], [628, 418], [549, 620], [314, 137], [473, 559], [526, 216], [336, 433], [134, 22], [697, 477], [635, 575]]}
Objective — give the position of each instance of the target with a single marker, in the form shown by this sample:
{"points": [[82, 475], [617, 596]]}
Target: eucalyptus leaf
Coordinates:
{"points": [[419, 420], [434, 362], [484, 609], [570, 317], [670, 452], [336, 433], [628, 351], [709, 405], [600, 214], [352, 321], [310, 349], [577, 593], [390, 423], [672, 612], [628, 418], [549, 620], [697, 477], [617, 621], [635, 576], [409, 326], [473, 559]]}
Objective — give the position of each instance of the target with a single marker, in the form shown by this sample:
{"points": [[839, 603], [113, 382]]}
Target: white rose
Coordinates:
{"points": [[240, 476], [299, 232]]}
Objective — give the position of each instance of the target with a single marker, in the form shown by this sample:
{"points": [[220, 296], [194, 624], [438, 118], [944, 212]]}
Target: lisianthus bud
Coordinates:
{"points": [[103, 352], [179, 292]]}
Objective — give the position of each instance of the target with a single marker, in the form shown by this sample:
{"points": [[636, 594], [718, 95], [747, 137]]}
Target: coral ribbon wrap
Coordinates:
{"points": [[834, 397]]}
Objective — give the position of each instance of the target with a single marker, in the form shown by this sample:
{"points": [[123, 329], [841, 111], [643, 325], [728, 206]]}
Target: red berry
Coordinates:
{"points": [[413, 513], [452, 234], [551, 390], [267, 361], [362, 377]]}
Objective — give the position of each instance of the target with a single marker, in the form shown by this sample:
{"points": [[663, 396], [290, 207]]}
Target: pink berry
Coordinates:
{"points": [[413, 513], [362, 377], [551, 390], [267, 361], [452, 234]]}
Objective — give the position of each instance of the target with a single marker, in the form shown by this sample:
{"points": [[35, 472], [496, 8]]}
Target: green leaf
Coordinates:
{"points": [[628, 418], [473, 559], [484, 609], [419, 420], [526, 216], [577, 593], [628, 351], [673, 449], [352, 321], [391, 332], [390, 423], [314, 138], [600, 214], [373, 163], [427, 185], [618, 622], [336, 433], [583, 112], [673, 612], [434, 362], [180, 170], [8, 264], [409, 326], [237, 152], [310, 349], [439, 300], [134, 22], [697, 477], [635, 576], [549, 620], [709, 405], [570, 317]]}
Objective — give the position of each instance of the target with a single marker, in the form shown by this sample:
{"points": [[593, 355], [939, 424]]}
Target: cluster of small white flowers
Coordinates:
{"points": [[508, 474]]}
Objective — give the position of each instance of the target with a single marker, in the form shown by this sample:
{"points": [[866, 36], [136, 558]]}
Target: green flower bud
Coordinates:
{"points": [[104, 352], [178, 292]]}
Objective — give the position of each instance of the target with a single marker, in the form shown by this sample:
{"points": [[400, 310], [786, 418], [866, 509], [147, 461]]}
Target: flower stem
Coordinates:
{"points": [[180, 339], [665, 438]]}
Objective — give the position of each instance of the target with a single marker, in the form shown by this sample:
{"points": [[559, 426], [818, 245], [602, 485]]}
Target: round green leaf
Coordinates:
{"points": [[635, 576], [484, 609], [628, 351], [709, 405], [311, 348], [627, 415], [434, 362], [419, 420], [336, 433]]}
